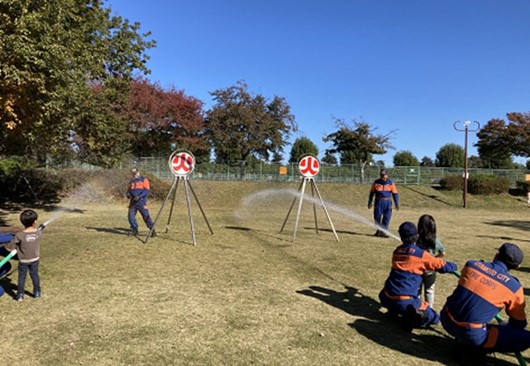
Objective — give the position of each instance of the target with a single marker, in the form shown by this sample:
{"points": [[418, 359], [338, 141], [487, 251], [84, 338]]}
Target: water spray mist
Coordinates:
{"points": [[348, 213]]}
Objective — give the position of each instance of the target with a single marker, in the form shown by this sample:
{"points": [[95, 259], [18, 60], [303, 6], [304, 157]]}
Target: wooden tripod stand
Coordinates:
{"points": [[313, 189], [173, 190]]}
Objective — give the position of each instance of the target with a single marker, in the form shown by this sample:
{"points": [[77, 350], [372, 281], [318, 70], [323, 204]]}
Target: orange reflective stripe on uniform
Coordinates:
{"points": [[397, 297], [424, 305], [409, 262], [493, 334], [140, 185], [464, 324], [384, 188]]}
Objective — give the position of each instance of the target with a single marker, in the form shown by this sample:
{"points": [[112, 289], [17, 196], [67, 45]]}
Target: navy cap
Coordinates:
{"points": [[407, 229], [511, 254], [384, 172]]}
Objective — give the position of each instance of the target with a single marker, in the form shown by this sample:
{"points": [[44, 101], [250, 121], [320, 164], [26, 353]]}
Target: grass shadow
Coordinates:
{"points": [[165, 235], [506, 238], [276, 237], [422, 345], [379, 328], [523, 225], [114, 230], [348, 232], [240, 228], [429, 196], [351, 301]]}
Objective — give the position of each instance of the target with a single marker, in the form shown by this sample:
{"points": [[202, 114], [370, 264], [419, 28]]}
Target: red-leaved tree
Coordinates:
{"points": [[159, 117]]}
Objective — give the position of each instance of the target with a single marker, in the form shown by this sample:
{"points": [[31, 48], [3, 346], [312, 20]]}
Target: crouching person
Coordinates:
{"points": [[483, 289], [6, 267], [400, 293]]}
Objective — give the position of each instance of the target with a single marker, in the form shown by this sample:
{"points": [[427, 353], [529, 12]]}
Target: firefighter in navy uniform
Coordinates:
{"points": [[384, 191], [137, 193], [485, 288], [400, 292]]}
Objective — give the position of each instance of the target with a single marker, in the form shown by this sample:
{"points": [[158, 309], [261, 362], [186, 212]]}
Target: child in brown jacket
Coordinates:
{"points": [[27, 244]]}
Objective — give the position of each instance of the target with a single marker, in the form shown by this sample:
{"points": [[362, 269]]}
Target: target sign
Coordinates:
{"points": [[309, 166], [181, 163]]}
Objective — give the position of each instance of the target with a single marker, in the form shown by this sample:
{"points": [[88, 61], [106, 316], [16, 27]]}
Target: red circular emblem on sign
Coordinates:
{"points": [[309, 166], [181, 163]]}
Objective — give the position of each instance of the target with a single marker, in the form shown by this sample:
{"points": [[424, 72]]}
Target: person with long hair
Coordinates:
{"points": [[428, 241], [400, 292]]}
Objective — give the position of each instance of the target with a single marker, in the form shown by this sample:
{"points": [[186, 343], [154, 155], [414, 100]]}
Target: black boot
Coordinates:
{"points": [[412, 319]]}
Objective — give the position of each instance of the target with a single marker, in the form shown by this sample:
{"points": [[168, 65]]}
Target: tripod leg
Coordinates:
{"points": [[299, 209], [314, 205], [291, 208], [160, 211], [326, 211], [200, 207], [189, 211], [172, 205]]}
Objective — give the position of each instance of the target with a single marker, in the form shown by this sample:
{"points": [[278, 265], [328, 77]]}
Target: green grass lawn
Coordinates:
{"points": [[246, 295]]}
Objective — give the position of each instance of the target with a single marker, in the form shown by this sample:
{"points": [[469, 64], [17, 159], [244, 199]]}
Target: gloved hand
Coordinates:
{"points": [[136, 199], [448, 267], [370, 205], [397, 208]]}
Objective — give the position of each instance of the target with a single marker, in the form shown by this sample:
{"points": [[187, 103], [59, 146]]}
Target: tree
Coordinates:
{"points": [[519, 133], [405, 158], [302, 146], [277, 157], [329, 158], [475, 162], [426, 161], [499, 141], [100, 134], [450, 155], [159, 117], [356, 144], [240, 125], [51, 54], [494, 145]]}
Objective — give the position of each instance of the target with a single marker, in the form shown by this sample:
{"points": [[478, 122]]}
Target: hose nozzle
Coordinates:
{"points": [[41, 227]]}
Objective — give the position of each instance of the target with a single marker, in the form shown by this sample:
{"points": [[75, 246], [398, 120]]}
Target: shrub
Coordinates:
{"points": [[25, 185], [31, 185], [452, 183], [523, 186], [11, 165], [487, 184]]}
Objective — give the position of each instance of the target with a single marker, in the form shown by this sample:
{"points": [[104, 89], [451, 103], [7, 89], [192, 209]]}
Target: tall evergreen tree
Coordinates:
{"points": [[451, 156], [405, 158], [302, 146]]}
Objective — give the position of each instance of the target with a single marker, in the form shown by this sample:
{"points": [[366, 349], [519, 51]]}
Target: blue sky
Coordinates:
{"points": [[409, 66]]}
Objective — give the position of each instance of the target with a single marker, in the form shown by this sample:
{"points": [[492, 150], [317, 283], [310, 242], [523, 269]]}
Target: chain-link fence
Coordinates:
{"points": [[260, 171]]}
